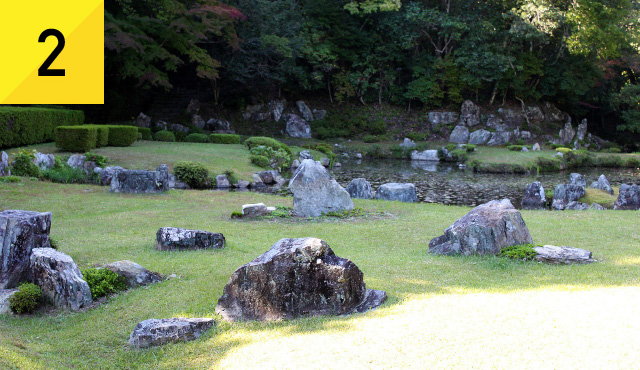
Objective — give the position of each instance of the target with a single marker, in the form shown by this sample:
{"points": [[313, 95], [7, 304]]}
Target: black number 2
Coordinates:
{"points": [[44, 69]]}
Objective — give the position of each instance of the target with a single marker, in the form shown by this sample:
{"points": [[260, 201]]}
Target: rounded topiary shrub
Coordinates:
{"points": [[164, 135], [197, 138], [103, 281], [225, 138], [194, 174], [260, 160], [27, 299], [257, 141]]}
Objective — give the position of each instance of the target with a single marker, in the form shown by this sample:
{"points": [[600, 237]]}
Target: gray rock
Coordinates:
{"points": [[296, 278], [493, 121], [295, 164], [602, 184], [567, 133], [107, 174], [305, 155], [242, 184], [360, 189], [577, 206], [597, 207], [500, 138], [174, 238], [222, 182], [469, 114], [179, 128], [485, 230], [511, 117], [533, 114], [154, 332], [397, 192], [256, 182], [4, 164], [5, 305], [98, 170], [252, 110], [408, 143], [552, 114], [220, 126], [88, 167], [565, 194], [427, 155], [76, 161], [138, 181], [20, 233], [133, 274], [525, 135], [359, 156], [44, 161], [442, 118], [577, 179], [563, 255], [325, 162], [315, 192], [534, 197], [525, 149], [479, 137], [502, 128], [269, 177], [255, 210], [143, 120], [319, 114], [304, 110], [337, 165], [536, 147], [276, 107], [459, 135], [59, 278], [581, 134], [297, 127], [629, 198]]}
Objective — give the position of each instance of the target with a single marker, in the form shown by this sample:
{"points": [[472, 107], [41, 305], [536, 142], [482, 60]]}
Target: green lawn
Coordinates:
{"points": [[442, 312]]}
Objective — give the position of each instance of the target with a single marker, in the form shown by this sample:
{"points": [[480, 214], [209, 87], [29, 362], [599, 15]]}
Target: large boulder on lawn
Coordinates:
{"points": [[154, 332], [133, 274], [565, 194], [297, 127], [359, 189], [4, 164], [175, 238], [59, 278], [484, 231], [563, 255], [255, 210], [534, 197], [567, 133], [479, 137], [138, 181], [397, 192], [459, 135], [20, 233], [296, 277], [602, 184], [316, 192], [628, 198]]}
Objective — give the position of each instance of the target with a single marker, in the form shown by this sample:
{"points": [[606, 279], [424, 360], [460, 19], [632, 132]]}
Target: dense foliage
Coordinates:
{"points": [[103, 282], [26, 299], [26, 126], [194, 174]]}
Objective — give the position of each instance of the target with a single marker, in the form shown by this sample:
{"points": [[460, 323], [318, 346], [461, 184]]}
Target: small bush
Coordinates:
{"points": [[225, 139], [259, 160], [515, 148], [122, 135], [103, 281], [99, 160], [197, 138], [481, 167], [231, 176], [146, 133], [27, 299], [451, 147], [375, 151], [10, 179], [524, 252], [399, 152], [257, 141], [236, 214], [23, 164], [613, 150], [470, 148], [371, 139], [164, 135], [564, 150], [194, 174], [53, 243], [278, 159], [67, 175], [416, 136], [579, 158], [78, 139]]}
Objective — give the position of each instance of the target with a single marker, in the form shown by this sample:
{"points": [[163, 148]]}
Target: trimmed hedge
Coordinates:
{"points": [[102, 138], [122, 135], [146, 133], [225, 139], [76, 138], [197, 138], [21, 126]]}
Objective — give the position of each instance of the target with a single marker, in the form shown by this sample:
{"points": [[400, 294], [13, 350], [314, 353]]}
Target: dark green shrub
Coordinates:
{"points": [[78, 139], [225, 139], [399, 152], [470, 148], [194, 174], [103, 281], [256, 141], [10, 179], [259, 160], [27, 299], [520, 142], [481, 167], [459, 155], [376, 127], [613, 161], [67, 175], [122, 135], [29, 125], [524, 252], [278, 159], [371, 139], [632, 162], [548, 164], [164, 135], [146, 133], [515, 148], [451, 147], [53, 243], [99, 160], [102, 135], [236, 214], [197, 138], [416, 136], [375, 151], [231, 176], [23, 164]]}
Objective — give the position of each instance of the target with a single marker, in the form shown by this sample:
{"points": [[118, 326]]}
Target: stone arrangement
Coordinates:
{"points": [[316, 192], [174, 238], [154, 332], [485, 230], [295, 278], [565, 194], [139, 181]]}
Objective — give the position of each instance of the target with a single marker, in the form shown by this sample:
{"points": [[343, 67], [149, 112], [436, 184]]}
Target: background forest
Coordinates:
{"points": [[582, 55]]}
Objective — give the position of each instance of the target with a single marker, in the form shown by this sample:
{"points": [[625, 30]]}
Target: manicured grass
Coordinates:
{"points": [[601, 197], [442, 312], [487, 154]]}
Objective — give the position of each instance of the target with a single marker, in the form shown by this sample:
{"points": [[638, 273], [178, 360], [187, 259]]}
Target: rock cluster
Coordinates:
{"points": [[296, 277]]}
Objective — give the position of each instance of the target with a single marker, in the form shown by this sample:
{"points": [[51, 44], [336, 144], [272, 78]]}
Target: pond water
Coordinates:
{"points": [[447, 184]]}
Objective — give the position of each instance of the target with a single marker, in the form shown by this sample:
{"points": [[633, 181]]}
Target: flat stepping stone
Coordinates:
{"points": [[155, 332], [563, 255]]}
